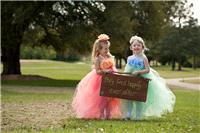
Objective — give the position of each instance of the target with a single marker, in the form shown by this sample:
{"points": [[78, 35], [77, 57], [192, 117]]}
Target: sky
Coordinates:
{"points": [[196, 9]]}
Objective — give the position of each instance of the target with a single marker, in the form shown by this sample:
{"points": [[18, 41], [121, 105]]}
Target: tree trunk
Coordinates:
{"points": [[11, 42], [120, 63], [194, 62], [156, 63], [180, 65], [10, 60], [117, 62], [16, 18], [173, 64]]}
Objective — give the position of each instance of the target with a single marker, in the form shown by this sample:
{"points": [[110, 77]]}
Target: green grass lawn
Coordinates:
{"points": [[75, 71], [193, 81], [9, 96], [61, 74], [184, 119], [166, 72], [57, 69], [69, 74]]}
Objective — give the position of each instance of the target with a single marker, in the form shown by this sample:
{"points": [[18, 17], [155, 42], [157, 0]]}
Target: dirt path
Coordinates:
{"points": [[177, 82], [35, 115]]}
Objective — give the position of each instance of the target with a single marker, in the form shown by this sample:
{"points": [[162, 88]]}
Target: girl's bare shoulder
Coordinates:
{"points": [[145, 57]]}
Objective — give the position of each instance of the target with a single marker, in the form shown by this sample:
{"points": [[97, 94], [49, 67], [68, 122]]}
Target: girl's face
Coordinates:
{"points": [[105, 49], [136, 47]]}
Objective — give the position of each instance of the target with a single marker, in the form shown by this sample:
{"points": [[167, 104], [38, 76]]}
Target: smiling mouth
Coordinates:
{"points": [[136, 49]]}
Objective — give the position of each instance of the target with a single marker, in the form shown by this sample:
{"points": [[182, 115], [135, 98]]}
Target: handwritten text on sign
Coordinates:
{"points": [[125, 87]]}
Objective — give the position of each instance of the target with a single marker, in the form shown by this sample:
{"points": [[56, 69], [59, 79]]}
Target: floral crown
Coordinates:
{"points": [[103, 37]]}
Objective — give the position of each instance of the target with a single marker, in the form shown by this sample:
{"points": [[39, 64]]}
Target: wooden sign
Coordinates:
{"points": [[124, 86]]}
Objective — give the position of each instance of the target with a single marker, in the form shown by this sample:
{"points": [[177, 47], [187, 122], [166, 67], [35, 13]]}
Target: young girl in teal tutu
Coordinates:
{"points": [[160, 98], [87, 102]]}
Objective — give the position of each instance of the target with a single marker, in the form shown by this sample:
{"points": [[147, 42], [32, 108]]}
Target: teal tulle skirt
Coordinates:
{"points": [[160, 99]]}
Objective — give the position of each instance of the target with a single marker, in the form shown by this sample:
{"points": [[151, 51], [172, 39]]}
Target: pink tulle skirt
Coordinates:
{"points": [[87, 103]]}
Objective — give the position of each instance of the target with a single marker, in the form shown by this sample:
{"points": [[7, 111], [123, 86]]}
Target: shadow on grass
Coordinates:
{"points": [[153, 120], [35, 80]]}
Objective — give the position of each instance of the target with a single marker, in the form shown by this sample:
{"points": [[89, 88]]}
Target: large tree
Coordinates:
{"points": [[53, 17], [191, 39], [152, 21], [15, 19], [133, 19], [118, 26], [182, 15]]}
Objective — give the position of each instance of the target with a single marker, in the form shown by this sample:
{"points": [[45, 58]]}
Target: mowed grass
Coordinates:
{"points": [[61, 74], [17, 95], [166, 72], [76, 70], [184, 119], [56, 69], [69, 74], [193, 81]]}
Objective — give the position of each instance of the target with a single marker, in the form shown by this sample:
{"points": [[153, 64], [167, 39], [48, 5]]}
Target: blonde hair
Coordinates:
{"points": [[97, 46], [140, 40]]}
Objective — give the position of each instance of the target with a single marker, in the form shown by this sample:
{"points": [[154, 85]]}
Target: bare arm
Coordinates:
{"points": [[97, 66], [146, 65]]}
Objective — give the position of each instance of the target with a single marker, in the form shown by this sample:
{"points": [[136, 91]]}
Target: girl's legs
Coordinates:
{"points": [[139, 110], [102, 107], [108, 110], [108, 107], [105, 108], [130, 108]]}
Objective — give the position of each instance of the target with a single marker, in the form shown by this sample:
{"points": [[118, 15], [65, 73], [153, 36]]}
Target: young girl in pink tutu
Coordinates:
{"points": [[87, 103]]}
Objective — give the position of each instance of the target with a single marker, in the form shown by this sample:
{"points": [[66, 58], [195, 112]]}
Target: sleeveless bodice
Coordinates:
{"points": [[135, 62], [107, 63]]}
